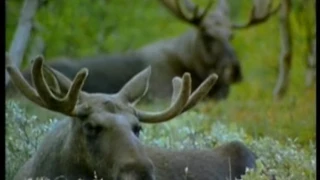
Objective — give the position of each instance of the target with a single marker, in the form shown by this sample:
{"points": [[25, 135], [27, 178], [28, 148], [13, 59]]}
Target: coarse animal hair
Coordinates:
{"points": [[203, 50], [101, 133]]}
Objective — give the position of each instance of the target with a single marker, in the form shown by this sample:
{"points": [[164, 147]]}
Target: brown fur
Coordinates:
{"points": [[200, 51], [168, 164], [115, 70], [102, 132]]}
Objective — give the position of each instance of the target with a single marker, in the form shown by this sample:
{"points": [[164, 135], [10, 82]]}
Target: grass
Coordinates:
{"points": [[81, 28]]}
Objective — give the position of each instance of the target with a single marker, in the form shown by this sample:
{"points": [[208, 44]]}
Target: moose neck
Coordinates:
{"points": [[192, 53], [177, 55]]}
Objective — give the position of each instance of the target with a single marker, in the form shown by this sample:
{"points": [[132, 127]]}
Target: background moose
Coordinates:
{"points": [[202, 50]]}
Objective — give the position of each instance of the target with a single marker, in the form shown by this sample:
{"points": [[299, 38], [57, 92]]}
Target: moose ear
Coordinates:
{"points": [[136, 87]]}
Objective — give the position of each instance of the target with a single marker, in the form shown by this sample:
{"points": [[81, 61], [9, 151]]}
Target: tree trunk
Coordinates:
{"points": [[286, 50], [22, 33], [311, 64]]}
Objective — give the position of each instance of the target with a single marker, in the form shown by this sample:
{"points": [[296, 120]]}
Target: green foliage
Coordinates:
{"points": [[287, 160], [282, 160], [23, 136], [82, 28]]}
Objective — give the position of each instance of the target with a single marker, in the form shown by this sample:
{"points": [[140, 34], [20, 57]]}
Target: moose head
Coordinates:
{"points": [[207, 48]]}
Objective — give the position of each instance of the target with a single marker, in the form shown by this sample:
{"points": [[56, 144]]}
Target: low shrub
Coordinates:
{"points": [[281, 161]]}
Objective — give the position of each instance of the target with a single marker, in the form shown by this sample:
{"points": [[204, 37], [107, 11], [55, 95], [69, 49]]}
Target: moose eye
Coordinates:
{"points": [[136, 129], [91, 130]]}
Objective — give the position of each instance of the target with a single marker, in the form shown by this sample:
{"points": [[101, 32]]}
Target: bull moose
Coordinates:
{"points": [[101, 133], [200, 51]]}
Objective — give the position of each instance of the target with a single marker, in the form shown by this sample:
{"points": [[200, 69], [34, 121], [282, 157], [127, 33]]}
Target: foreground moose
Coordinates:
{"points": [[102, 132], [201, 51]]}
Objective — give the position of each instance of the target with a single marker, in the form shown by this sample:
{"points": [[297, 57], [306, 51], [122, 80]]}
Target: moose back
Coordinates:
{"points": [[201, 51], [101, 132]]}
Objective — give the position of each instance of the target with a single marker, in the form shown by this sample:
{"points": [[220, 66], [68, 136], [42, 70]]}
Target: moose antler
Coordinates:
{"points": [[260, 13], [181, 99], [198, 94], [194, 15], [63, 82], [42, 93]]}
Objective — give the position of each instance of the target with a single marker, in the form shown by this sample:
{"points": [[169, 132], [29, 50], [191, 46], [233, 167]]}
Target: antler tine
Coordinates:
{"points": [[255, 19], [65, 105], [177, 105], [193, 16], [18, 80], [53, 83], [39, 81], [198, 94], [41, 94], [197, 17], [180, 89], [176, 84], [175, 8], [64, 82], [201, 91]]}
